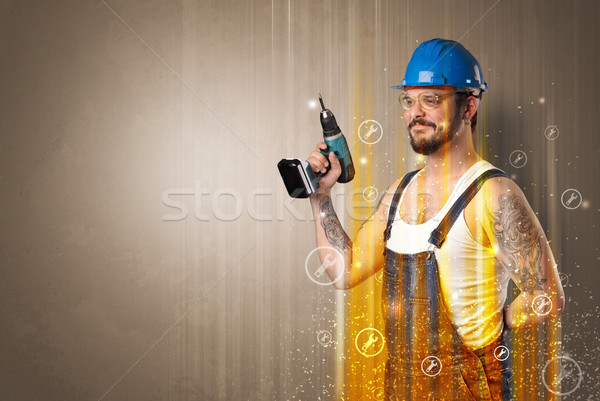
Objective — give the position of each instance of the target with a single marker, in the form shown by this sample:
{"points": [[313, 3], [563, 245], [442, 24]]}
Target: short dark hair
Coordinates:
{"points": [[461, 100]]}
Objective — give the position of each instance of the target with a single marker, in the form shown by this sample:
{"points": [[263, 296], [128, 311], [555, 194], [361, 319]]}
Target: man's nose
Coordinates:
{"points": [[417, 111]]}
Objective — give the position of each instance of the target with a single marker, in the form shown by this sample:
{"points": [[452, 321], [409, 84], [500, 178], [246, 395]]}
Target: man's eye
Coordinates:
{"points": [[408, 101], [431, 100]]}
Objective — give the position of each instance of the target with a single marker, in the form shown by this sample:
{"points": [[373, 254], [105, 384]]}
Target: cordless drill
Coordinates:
{"points": [[299, 177]]}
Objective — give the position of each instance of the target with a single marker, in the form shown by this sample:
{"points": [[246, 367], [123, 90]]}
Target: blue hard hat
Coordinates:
{"points": [[443, 62]]}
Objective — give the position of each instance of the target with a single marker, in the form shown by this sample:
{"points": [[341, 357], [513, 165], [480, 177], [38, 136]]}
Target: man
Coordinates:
{"points": [[449, 238]]}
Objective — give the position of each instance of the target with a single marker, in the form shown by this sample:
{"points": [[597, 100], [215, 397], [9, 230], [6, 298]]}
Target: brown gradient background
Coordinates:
{"points": [[108, 104]]}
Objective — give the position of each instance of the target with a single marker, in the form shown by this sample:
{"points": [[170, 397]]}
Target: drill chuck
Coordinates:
{"points": [[330, 126]]}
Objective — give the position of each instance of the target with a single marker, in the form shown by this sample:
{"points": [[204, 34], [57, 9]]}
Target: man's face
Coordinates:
{"points": [[430, 129]]}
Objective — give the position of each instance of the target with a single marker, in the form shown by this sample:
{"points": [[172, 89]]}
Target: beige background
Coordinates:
{"points": [[111, 107]]}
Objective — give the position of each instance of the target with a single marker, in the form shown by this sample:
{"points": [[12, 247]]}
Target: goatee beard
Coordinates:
{"points": [[432, 145]]}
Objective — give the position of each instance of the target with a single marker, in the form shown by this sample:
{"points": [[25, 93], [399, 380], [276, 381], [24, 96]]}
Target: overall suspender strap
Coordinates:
{"points": [[394, 204], [438, 236]]}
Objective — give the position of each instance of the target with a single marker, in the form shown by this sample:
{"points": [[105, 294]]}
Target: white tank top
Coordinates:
{"points": [[473, 282]]}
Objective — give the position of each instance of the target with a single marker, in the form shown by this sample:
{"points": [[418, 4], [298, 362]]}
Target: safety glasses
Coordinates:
{"points": [[428, 100]]}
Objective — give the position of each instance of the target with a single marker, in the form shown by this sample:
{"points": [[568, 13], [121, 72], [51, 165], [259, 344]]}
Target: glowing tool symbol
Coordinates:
{"points": [[552, 132], [434, 362], [542, 305], [501, 353], [324, 337], [563, 374], [329, 261], [371, 131], [519, 157], [571, 198], [432, 365], [370, 193], [369, 342]]}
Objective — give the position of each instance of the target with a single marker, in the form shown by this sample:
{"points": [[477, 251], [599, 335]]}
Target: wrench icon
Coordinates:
{"points": [[542, 305], [571, 199], [519, 157], [371, 131], [369, 342], [329, 261], [432, 365], [325, 338]]}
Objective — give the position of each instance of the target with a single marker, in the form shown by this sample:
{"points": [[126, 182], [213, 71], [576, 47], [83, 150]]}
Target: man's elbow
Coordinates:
{"points": [[340, 286]]}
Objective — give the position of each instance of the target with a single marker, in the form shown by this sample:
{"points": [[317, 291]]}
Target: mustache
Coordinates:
{"points": [[422, 122]]}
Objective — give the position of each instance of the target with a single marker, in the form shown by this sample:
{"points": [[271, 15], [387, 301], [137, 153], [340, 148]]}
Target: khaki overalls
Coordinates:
{"points": [[427, 359]]}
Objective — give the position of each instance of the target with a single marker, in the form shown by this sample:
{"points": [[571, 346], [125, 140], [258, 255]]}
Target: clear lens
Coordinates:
{"points": [[428, 100], [407, 101]]}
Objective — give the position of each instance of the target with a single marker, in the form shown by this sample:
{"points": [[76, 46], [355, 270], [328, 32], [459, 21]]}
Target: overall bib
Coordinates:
{"points": [[427, 359]]}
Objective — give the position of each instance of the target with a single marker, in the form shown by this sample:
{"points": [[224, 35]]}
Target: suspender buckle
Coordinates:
{"points": [[387, 232], [430, 250]]}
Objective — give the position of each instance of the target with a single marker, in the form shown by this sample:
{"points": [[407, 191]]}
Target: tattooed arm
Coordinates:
{"points": [[363, 257], [524, 252]]}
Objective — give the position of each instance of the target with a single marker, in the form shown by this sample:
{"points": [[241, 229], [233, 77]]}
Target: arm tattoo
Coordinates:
{"points": [[520, 243], [334, 231]]}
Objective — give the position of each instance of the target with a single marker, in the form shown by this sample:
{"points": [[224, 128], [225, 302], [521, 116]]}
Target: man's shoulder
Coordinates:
{"points": [[391, 190], [394, 186], [386, 198], [495, 189]]}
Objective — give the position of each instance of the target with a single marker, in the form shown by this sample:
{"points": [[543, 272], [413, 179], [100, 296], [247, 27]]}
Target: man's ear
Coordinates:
{"points": [[470, 108]]}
